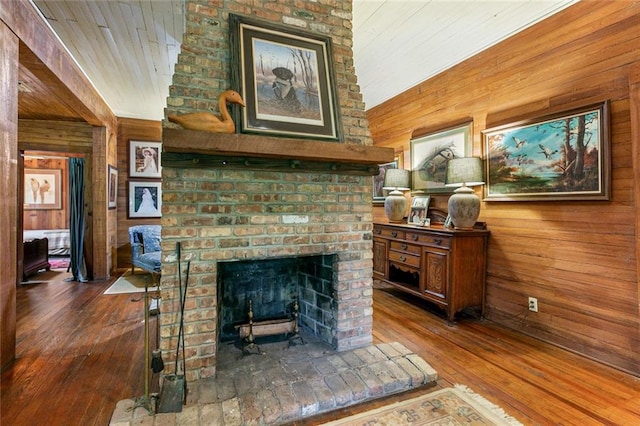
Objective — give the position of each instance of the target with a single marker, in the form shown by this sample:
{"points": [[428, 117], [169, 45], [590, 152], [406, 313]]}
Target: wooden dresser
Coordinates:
{"points": [[443, 266]]}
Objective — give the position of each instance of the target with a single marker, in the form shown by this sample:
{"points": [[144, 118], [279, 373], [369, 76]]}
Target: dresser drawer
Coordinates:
{"points": [[405, 247], [402, 257], [431, 240], [388, 233]]}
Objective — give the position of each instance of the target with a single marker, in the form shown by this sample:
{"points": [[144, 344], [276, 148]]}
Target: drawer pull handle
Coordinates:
{"points": [[377, 231], [404, 246], [414, 237], [438, 241], [403, 258], [394, 234]]}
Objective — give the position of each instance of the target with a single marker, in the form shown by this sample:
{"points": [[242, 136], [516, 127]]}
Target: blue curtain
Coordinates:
{"points": [[76, 225]]}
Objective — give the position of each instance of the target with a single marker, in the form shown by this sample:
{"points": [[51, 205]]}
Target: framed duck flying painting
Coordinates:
{"points": [[562, 156]]}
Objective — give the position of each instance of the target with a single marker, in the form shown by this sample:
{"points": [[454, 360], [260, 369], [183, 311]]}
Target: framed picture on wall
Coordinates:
{"points": [[431, 153], [564, 156], [145, 199], [112, 187], [144, 159], [380, 194], [285, 77], [42, 189]]}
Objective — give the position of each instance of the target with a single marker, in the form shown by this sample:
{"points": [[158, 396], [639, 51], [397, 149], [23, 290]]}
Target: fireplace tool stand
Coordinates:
{"points": [[145, 401]]}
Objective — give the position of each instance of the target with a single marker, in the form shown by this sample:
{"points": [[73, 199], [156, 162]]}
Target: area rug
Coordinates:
{"points": [[59, 262], [135, 283], [450, 406]]}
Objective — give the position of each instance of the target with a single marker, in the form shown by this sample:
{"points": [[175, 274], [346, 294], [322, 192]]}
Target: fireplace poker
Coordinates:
{"points": [[172, 395]]}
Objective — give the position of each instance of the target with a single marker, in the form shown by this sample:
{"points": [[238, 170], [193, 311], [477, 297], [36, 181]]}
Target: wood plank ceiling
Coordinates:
{"points": [[128, 48]]}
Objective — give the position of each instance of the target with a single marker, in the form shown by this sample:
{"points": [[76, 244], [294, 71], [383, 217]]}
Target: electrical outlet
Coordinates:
{"points": [[533, 304]]}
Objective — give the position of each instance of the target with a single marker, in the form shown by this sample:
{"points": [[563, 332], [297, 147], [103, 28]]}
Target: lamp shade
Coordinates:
{"points": [[464, 205], [397, 179], [464, 171]]}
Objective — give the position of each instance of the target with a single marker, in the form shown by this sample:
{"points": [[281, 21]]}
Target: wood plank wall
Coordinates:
{"points": [[578, 258], [9, 219], [137, 130]]}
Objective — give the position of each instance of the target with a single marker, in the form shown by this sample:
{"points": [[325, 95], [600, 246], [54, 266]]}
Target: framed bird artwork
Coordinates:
{"points": [[561, 156], [430, 154], [42, 189], [286, 77]]}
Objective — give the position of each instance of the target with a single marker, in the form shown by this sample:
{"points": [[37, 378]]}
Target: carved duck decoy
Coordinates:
{"points": [[209, 122]]}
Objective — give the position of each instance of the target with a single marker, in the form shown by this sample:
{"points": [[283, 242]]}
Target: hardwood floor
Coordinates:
{"points": [[79, 352]]}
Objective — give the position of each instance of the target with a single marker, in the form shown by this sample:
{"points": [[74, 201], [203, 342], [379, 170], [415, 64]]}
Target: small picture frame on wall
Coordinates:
{"points": [[112, 188], [145, 159], [380, 194], [145, 199]]}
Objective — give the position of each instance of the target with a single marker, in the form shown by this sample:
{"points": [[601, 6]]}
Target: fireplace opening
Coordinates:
{"points": [[277, 289]]}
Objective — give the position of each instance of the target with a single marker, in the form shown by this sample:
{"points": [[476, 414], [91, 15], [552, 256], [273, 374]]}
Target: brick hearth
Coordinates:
{"points": [[287, 384]]}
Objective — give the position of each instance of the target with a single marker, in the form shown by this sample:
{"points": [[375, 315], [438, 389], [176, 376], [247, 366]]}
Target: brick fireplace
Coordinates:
{"points": [[238, 198]]}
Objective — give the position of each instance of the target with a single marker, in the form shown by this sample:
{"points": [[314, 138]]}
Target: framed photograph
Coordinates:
{"points": [[418, 213], [42, 189], [112, 187], [430, 155], [285, 77], [417, 216], [145, 199], [144, 159], [380, 194], [421, 201], [565, 156]]}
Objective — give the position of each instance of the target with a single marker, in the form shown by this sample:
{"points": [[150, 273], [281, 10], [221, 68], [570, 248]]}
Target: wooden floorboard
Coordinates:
{"points": [[79, 352]]}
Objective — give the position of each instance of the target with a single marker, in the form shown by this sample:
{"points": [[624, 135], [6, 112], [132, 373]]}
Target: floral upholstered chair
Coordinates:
{"points": [[145, 247]]}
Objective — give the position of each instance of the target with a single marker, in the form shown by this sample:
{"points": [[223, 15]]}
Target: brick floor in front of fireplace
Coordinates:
{"points": [[288, 383]]}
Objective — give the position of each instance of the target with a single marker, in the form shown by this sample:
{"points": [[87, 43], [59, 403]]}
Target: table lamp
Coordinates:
{"points": [[396, 181], [464, 205]]}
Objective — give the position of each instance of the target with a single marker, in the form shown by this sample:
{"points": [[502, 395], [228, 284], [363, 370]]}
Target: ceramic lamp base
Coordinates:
{"points": [[464, 208], [394, 206]]}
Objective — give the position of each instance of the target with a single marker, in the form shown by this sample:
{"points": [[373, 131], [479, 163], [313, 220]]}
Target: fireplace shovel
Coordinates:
{"points": [[173, 393]]}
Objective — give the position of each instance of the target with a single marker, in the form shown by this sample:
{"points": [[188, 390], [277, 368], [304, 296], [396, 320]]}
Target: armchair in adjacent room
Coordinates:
{"points": [[145, 247]]}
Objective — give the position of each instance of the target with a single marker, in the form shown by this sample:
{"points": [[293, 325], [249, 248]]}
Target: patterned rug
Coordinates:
{"points": [[59, 262], [451, 406], [135, 283]]}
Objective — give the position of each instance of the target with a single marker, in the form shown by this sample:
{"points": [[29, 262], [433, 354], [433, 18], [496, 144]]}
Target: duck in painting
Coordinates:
{"points": [[546, 151], [35, 185], [44, 188], [209, 122]]}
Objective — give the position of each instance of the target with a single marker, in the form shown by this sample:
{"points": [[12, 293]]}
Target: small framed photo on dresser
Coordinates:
{"points": [[418, 212]]}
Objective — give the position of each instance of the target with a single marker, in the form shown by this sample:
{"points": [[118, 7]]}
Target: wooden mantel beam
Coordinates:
{"points": [[193, 148]]}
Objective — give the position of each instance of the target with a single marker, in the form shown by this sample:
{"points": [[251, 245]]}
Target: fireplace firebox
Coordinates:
{"points": [[277, 289]]}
